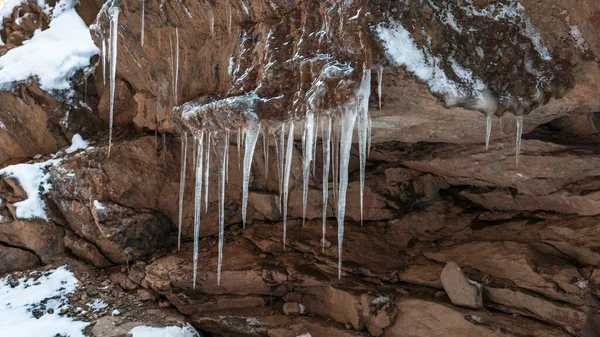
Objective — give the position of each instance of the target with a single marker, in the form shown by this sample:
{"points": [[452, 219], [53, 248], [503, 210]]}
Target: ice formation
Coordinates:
{"points": [[143, 10], [182, 184], [114, 35]]}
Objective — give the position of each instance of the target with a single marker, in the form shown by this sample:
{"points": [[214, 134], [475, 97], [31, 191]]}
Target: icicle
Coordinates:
{"points": [[307, 147], [253, 130], [207, 172], [363, 124], [182, 184], [176, 64], [314, 151], [280, 162], [370, 133], [114, 35], [326, 161], [104, 61], [143, 20], [222, 204], [348, 119], [229, 23], [198, 200], [286, 180], [519, 120], [488, 131], [265, 137], [212, 24], [335, 151], [227, 134], [379, 84], [239, 145]]}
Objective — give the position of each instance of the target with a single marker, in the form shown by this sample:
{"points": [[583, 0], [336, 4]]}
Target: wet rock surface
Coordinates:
{"points": [[526, 234]]}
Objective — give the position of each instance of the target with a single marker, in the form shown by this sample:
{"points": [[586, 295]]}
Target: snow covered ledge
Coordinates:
{"points": [[53, 55]]}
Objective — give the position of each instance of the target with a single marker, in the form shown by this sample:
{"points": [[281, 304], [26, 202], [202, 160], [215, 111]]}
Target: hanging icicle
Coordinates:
{"points": [[252, 131], [326, 161], [519, 120], [488, 131], [114, 35], [265, 138], [307, 147], [348, 119], [143, 21], [222, 180], [104, 61], [182, 176], [280, 149], [289, 154], [363, 124], [198, 200], [207, 171]]}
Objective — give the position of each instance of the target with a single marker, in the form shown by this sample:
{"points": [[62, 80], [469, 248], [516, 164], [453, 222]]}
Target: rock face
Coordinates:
{"points": [[435, 198]]}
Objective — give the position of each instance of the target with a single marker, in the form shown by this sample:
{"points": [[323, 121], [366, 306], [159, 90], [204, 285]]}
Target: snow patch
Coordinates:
{"points": [[31, 177], [96, 305], [98, 205], [53, 55], [305, 335], [77, 143], [380, 300], [170, 331], [17, 304]]}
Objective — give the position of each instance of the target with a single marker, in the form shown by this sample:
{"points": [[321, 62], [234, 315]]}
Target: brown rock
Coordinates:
{"points": [[458, 287], [13, 259]]}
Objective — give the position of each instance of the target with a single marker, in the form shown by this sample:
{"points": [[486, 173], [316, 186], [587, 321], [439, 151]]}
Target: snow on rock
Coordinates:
{"points": [[18, 300], [53, 55], [97, 305], [305, 335], [31, 177], [77, 143], [170, 331]]}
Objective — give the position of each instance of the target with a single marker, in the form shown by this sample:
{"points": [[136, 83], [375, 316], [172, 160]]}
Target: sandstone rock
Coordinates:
{"points": [[86, 251], [45, 239], [458, 288], [293, 308], [13, 259]]}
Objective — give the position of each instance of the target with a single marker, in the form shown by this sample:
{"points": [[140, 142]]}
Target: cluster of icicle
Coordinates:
{"points": [[336, 130]]}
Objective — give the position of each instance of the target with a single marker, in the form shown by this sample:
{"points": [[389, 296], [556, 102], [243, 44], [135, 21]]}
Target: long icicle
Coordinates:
{"points": [[326, 161], [198, 201], [280, 163], [176, 65], [348, 119], [182, 184], [143, 20], [239, 146], [363, 126], [252, 133], [207, 171], [519, 120], [488, 131], [222, 179], [265, 138], [289, 153], [103, 61], [307, 147], [114, 36], [379, 84]]}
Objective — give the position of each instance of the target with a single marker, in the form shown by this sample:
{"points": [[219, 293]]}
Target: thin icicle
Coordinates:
{"points": [[265, 137], [280, 162], [363, 125], [222, 179], [315, 139], [227, 134], [252, 132], [212, 24], [307, 147], [335, 162], [239, 146], [286, 181], [370, 133], [348, 119], [182, 184], [143, 20], [198, 201], [326, 161], [104, 61], [379, 84], [488, 131], [176, 65], [519, 120], [207, 172], [114, 35]]}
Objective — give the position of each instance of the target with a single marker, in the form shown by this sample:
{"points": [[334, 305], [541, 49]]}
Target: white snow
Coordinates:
{"points": [[17, 303], [116, 312], [77, 143], [305, 335], [578, 39], [53, 55], [402, 51], [170, 331], [98, 205], [96, 305], [380, 300], [31, 177]]}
